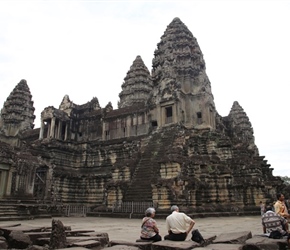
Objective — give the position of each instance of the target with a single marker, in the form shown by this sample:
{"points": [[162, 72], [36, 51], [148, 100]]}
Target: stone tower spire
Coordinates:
{"points": [[241, 127], [137, 85], [17, 114], [179, 74]]}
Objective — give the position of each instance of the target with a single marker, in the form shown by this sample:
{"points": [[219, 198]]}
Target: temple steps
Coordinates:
{"points": [[148, 168], [14, 209]]}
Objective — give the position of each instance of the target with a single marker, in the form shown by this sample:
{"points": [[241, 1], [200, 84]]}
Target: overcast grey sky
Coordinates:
{"points": [[85, 48]]}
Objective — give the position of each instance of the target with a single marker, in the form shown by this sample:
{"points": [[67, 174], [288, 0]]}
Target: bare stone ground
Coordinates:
{"points": [[129, 229]]}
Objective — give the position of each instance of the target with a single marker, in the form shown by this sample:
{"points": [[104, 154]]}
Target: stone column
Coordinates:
{"points": [[52, 128], [104, 131], [48, 129], [160, 116], [9, 183], [41, 129], [175, 113], [59, 130], [66, 131]]}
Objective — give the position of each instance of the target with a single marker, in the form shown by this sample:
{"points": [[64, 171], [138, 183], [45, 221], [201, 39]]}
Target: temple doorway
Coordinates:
{"points": [[40, 183]]}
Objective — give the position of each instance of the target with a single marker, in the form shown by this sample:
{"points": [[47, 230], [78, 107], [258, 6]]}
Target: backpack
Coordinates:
{"points": [[196, 236], [275, 235]]}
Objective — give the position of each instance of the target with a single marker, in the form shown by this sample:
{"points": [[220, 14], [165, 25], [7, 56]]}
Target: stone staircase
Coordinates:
{"points": [[148, 168], [13, 209]]}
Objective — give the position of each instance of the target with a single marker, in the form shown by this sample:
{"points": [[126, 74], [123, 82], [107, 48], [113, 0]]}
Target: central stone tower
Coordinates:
{"points": [[182, 91]]}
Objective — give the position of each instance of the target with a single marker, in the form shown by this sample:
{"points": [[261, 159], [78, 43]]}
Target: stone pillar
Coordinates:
{"points": [[41, 129], [2, 182], [58, 236], [104, 131], [9, 183], [59, 130], [175, 114], [48, 129], [17, 183], [66, 131], [159, 115], [52, 128]]}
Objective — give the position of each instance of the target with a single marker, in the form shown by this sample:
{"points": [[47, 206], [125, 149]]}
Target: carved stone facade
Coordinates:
{"points": [[166, 142], [137, 86], [17, 114]]}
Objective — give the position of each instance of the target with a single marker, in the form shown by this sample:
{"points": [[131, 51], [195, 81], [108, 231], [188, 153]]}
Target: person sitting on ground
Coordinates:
{"points": [[280, 207], [273, 222], [149, 230], [178, 225]]}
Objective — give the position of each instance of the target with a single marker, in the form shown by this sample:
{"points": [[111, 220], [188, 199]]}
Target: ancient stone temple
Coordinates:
{"points": [[165, 143]]}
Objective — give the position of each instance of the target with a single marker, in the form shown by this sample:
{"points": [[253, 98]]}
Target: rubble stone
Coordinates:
{"points": [[17, 239], [58, 236]]}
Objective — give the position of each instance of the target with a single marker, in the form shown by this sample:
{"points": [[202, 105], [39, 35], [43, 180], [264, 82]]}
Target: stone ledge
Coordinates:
{"points": [[265, 243], [146, 241], [171, 245], [123, 247], [74, 248], [223, 247], [140, 245], [88, 243], [233, 238]]}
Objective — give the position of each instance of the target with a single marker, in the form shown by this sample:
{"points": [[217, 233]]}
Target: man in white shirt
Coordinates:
{"points": [[178, 225]]}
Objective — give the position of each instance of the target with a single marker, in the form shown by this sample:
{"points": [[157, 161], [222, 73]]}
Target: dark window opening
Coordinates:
{"points": [[107, 134], [62, 131], [168, 115], [154, 124], [199, 118]]}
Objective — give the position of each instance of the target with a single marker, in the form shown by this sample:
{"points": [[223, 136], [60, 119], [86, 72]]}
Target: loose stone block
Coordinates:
{"points": [[140, 240], [58, 236], [18, 239], [171, 245], [233, 238], [123, 247], [222, 247], [265, 243], [74, 248], [42, 241], [3, 244], [140, 245], [88, 243], [103, 238]]}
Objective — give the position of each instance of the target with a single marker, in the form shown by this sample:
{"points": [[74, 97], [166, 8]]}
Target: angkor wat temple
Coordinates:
{"points": [[166, 143]]}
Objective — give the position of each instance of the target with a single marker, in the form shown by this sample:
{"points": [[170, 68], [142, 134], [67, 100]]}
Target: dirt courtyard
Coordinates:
{"points": [[129, 229]]}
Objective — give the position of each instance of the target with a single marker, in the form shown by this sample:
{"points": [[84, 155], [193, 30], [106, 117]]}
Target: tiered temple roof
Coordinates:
{"points": [[137, 86]]}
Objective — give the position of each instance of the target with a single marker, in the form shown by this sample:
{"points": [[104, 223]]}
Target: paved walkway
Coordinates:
{"points": [[129, 229]]}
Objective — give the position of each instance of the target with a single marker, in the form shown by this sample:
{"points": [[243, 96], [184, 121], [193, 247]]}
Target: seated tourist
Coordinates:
{"points": [[280, 207], [178, 225], [275, 225], [149, 230]]}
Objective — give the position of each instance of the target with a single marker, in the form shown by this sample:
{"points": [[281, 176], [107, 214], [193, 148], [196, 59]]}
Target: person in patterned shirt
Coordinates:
{"points": [[149, 229], [272, 221]]}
